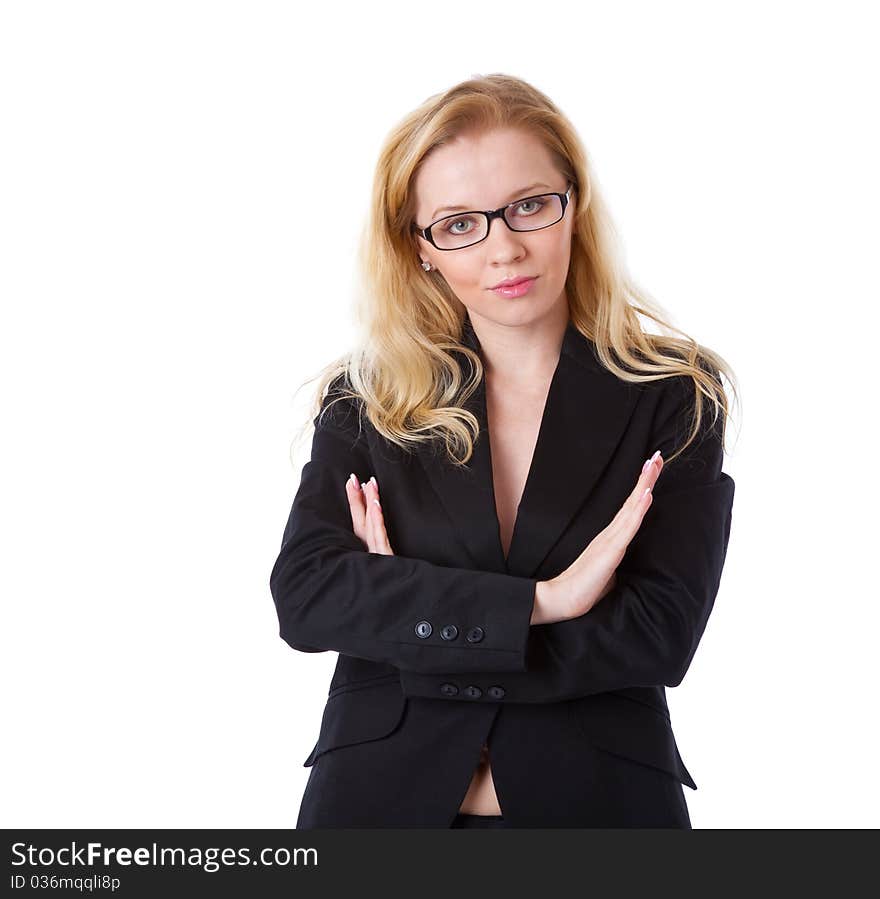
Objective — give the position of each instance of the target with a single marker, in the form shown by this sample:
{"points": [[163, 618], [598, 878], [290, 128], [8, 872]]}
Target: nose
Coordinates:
{"points": [[502, 242]]}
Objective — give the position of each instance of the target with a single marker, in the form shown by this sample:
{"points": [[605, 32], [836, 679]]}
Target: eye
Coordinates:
{"points": [[451, 229], [535, 203]]}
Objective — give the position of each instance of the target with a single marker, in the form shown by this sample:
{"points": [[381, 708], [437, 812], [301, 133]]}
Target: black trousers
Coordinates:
{"points": [[487, 821]]}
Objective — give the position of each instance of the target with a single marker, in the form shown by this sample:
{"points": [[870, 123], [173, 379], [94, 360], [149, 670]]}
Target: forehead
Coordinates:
{"points": [[480, 170]]}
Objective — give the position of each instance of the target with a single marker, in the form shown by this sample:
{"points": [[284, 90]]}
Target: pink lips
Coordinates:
{"points": [[516, 289]]}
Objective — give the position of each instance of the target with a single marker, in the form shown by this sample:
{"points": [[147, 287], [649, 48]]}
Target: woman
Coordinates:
{"points": [[553, 518]]}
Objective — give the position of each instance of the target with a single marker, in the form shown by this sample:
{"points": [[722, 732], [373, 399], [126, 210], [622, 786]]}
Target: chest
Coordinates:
{"points": [[514, 423]]}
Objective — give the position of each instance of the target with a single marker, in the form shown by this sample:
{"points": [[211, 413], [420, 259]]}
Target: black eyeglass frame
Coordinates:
{"points": [[492, 214]]}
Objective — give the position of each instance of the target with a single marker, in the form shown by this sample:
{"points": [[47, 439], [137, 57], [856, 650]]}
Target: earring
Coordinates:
{"points": [[426, 266]]}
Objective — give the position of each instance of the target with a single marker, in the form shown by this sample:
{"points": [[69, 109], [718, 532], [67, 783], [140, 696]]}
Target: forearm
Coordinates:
{"points": [[643, 633]]}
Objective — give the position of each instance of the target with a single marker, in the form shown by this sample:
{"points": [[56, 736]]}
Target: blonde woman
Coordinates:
{"points": [[513, 523]]}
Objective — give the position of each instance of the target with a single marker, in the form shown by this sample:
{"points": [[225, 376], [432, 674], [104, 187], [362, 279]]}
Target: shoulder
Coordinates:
{"points": [[340, 437], [340, 424], [690, 428], [340, 407], [680, 394]]}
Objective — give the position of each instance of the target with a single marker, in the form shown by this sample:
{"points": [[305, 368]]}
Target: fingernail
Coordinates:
{"points": [[353, 479], [376, 502], [363, 485], [645, 466], [655, 456], [375, 482]]}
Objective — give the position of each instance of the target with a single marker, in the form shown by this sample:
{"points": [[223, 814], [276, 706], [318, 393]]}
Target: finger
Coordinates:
{"points": [[367, 489], [379, 542], [614, 540], [650, 471], [634, 509], [356, 506], [637, 500], [379, 532], [644, 489]]}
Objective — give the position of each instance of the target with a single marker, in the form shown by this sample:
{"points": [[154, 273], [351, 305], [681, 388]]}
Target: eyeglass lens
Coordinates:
{"points": [[457, 231]]}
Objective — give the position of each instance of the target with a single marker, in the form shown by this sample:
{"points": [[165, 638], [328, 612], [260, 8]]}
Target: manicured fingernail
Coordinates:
{"points": [[376, 502], [655, 456], [375, 482], [645, 466], [353, 479], [363, 485]]}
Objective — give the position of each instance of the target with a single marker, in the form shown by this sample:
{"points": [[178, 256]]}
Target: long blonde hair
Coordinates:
{"points": [[404, 373]]}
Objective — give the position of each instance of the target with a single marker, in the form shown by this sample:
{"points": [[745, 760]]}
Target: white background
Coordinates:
{"points": [[183, 185]]}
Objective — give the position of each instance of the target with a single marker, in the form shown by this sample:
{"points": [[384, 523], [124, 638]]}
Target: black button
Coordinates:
{"points": [[448, 689], [449, 632], [424, 629], [473, 692], [496, 692], [475, 634]]}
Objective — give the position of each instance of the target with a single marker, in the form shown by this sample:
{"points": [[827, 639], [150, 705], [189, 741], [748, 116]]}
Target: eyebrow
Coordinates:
{"points": [[523, 191]]}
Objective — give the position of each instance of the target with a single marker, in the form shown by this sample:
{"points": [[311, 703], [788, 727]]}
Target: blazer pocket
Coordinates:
{"points": [[632, 730], [358, 713]]}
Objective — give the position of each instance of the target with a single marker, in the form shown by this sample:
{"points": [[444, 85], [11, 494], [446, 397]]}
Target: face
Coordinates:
{"points": [[486, 171]]}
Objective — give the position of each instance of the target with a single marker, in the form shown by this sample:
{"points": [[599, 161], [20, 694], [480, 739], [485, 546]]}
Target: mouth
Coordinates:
{"points": [[512, 282], [514, 287]]}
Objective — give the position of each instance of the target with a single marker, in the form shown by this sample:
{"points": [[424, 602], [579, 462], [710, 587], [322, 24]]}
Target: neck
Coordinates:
{"points": [[521, 353]]}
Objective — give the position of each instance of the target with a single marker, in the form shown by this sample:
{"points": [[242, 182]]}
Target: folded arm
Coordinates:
{"points": [[645, 631], [331, 594]]}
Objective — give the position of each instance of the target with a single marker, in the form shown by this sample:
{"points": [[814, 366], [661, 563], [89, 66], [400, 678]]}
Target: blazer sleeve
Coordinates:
{"points": [[645, 631], [332, 594]]}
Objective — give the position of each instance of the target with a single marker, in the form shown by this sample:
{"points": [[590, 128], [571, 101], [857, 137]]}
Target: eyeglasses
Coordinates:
{"points": [[455, 232]]}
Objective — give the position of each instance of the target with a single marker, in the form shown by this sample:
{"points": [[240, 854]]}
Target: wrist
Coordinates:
{"points": [[549, 604]]}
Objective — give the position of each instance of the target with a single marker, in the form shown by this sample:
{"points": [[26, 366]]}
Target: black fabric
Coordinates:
{"points": [[486, 822], [574, 713]]}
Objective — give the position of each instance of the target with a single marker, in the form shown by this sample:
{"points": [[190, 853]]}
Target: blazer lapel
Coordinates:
{"points": [[586, 412]]}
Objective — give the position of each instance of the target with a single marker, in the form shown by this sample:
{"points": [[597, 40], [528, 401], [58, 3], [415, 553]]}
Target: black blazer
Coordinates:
{"points": [[436, 655]]}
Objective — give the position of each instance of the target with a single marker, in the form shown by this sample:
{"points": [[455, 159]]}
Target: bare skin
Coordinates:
{"points": [[514, 417]]}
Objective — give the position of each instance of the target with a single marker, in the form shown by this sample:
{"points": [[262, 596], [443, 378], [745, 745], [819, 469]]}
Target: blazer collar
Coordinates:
{"points": [[586, 412]]}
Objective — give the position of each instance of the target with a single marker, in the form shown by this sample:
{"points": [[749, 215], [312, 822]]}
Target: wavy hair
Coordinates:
{"points": [[405, 372]]}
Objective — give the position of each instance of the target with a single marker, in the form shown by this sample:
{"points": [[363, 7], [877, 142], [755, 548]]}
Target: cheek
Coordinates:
{"points": [[463, 275], [564, 258], [554, 257]]}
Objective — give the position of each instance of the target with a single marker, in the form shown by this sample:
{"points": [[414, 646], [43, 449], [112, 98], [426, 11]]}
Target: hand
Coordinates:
{"points": [[366, 515], [593, 573]]}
